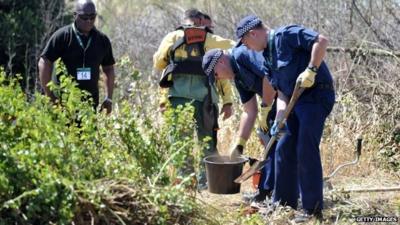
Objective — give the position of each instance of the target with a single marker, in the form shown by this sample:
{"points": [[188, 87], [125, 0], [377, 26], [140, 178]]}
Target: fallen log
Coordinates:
{"points": [[360, 190], [364, 51]]}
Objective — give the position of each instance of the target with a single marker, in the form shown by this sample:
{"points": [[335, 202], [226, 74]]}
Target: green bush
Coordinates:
{"points": [[57, 161]]}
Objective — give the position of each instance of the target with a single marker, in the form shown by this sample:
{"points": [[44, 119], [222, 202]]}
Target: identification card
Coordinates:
{"points": [[83, 74]]}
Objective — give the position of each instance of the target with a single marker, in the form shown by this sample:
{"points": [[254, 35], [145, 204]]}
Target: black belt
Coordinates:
{"points": [[319, 86]]}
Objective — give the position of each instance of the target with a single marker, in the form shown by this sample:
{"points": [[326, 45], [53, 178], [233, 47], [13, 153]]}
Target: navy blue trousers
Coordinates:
{"points": [[298, 169], [267, 179]]}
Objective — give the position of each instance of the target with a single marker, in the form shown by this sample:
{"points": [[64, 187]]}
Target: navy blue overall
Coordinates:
{"points": [[298, 169], [250, 69]]}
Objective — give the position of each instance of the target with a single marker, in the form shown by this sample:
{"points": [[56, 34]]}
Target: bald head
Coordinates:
{"points": [[85, 15], [85, 7]]}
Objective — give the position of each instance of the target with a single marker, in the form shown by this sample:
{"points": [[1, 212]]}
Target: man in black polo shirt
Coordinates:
{"points": [[83, 49]]}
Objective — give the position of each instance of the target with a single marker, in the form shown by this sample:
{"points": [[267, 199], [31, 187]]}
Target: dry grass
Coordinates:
{"points": [[366, 84], [340, 208], [337, 147]]}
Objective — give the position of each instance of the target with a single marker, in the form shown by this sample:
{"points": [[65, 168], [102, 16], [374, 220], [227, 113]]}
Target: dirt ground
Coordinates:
{"points": [[340, 207]]}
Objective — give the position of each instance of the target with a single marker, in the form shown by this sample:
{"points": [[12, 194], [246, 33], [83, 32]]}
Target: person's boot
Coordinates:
{"points": [[307, 215], [258, 196]]}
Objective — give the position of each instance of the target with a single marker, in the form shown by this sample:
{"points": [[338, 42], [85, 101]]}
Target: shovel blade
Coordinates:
{"points": [[251, 171]]}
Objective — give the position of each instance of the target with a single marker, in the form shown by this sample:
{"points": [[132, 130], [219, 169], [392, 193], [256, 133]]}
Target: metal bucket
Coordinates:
{"points": [[221, 172]]}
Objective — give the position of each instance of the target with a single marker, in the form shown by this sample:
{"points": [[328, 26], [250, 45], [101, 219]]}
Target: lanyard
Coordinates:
{"points": [[81, 43], [271, 45]]}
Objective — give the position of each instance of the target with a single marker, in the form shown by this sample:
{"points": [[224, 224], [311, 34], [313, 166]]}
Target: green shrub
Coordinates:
{"points": [[57, 160]]}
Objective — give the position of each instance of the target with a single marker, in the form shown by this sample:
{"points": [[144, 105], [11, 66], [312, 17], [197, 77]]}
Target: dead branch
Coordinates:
{"points": [[368, 22], [365, 51], [359, 190]]}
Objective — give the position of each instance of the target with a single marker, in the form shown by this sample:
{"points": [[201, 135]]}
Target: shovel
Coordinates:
{"points": [[260, 164]]}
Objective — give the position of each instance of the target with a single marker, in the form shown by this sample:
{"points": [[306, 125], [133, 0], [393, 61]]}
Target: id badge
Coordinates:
{"points": [[83, 74]]}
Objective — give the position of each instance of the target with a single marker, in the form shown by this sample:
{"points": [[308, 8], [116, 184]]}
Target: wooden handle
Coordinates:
{"points": [[260, 164], [295, 96]]}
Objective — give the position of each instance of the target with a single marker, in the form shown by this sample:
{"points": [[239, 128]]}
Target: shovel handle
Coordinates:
{"points": [[295, 96], [268, 147], [260, 164]]}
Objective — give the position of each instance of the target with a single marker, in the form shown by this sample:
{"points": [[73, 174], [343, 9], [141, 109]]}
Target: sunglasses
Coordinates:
{"points": [[87, 17]]}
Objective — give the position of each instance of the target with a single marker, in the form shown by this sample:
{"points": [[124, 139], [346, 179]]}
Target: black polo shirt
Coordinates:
{"points": [[64, 44]]}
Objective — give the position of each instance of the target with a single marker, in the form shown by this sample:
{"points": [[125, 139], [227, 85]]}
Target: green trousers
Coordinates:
{"points": [[211, 147]]}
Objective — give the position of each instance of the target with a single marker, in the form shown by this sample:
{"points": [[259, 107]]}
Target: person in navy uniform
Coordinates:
{"points": [[247, 69], [295, 54]]}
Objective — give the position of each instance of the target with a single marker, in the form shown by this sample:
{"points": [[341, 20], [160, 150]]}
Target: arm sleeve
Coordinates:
{"points": [[160, 58], [224, 88], [300, 37], [108, 59], [215, 41], [252, 61], [245, 95], [163, 99], [55, 46]]}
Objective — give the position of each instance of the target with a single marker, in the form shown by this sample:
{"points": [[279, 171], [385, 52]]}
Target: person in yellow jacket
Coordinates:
{"points": [[191, 86]]}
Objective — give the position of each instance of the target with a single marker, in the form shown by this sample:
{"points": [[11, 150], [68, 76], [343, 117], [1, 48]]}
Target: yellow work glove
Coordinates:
{"points": [[262, 118], [307, 78], [163, 99], [238, 148], [224, 88]]}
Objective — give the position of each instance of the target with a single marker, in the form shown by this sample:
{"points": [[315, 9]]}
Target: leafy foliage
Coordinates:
{"points": [[56, 160]]}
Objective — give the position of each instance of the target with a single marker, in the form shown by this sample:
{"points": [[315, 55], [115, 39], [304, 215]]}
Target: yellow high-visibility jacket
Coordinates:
{"points": [[186, 85]]}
